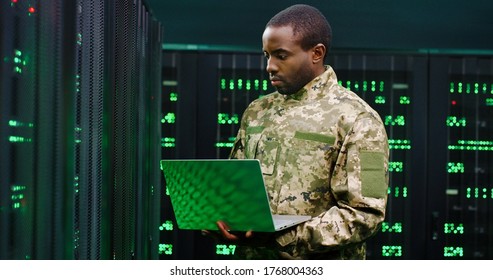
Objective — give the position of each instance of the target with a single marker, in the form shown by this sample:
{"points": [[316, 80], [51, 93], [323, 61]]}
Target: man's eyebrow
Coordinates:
{"points": [[277, 51]]}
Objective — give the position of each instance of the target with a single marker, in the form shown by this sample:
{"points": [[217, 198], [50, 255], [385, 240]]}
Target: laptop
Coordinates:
{"points": [[204, 191]]}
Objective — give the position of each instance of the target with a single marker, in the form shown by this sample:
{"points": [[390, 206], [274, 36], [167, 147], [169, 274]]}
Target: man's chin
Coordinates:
{"points": [[283, 90]]}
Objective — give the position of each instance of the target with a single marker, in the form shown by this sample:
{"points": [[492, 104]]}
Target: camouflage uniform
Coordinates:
{"points": [[324, 152]]}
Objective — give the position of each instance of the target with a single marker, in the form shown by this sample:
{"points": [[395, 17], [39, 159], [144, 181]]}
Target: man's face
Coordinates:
{"points": [[289, 66]]}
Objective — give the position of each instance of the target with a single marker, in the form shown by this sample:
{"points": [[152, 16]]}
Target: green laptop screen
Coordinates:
{"points": [[205, 191]]}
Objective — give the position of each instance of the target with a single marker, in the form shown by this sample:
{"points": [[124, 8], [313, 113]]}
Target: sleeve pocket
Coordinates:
{"points": [[373, 183]]}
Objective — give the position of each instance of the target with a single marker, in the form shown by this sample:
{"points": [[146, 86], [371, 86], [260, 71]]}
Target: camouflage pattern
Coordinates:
{"points": [[311, 146]]}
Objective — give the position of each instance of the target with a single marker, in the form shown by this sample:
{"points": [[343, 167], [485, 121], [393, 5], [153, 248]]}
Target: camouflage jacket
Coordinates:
{"points": [[324, 152]]}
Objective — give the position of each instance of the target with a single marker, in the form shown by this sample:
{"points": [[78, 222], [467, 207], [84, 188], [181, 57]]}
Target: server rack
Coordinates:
{"points": [[79, 130]]}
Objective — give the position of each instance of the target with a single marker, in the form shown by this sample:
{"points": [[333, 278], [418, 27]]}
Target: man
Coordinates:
{"points": [[323, 150]]}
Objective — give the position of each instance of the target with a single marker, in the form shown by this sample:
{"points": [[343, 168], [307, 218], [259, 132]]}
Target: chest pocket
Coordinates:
{"points": [[313, 155], [263, 148]]}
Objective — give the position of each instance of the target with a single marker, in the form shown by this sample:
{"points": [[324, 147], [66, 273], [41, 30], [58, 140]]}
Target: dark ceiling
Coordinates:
{"points": [[360, 24]]}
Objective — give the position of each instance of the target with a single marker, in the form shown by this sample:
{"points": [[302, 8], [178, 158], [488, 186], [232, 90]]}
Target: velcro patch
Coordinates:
{"points": [[373, 183]]}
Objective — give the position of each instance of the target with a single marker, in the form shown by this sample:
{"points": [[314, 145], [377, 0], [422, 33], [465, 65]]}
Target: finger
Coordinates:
{"points": [[224, 229], [249, 234], [222, 226]]}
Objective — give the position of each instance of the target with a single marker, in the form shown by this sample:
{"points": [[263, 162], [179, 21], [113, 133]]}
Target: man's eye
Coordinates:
{"points": [[282, 56]]}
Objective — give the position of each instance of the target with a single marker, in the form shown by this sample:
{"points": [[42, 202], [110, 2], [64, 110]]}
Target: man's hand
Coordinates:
{"points": [[248, 238]]}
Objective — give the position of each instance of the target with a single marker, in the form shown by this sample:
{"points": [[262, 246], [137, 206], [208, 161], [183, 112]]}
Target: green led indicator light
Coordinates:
{"points": [[77, 83], [224, 145], [19, 139], [173, 97], [17, 195], [455, 121], [397, 191], [395, 166], [169, 118], [76, 184], [489, 102], [399, 144], [380, 99], [242, 84], [265, 84], [19, 61], [395, 228], [472, 145], [166, 249], [469, 88], [391, 251], [226, 250], [17, 188], [405, 100], [168, 142], [14, 123], [168, 225], [350, 85], [356, 86], [476, 192], [451, 228], [395, 121], [77, 134], [229, 144], [453, 251], [223, 118], [455, 167], [248, 85]]}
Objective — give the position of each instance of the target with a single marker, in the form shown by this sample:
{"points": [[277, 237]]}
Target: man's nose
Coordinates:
{"points": [[271, 66]]}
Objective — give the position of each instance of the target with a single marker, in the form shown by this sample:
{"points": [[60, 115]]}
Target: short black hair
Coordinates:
{"points": [[306, 21]]}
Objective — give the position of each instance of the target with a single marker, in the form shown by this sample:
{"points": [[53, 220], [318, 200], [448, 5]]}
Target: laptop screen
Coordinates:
{"points": [[204, 191]]}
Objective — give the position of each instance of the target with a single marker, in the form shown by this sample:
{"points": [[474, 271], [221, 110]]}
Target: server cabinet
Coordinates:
{"points": [[460, 145], [79, 130]]}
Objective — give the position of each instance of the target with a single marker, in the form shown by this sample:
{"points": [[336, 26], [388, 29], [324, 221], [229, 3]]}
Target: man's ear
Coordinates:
{"points": [[318, 53]]}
